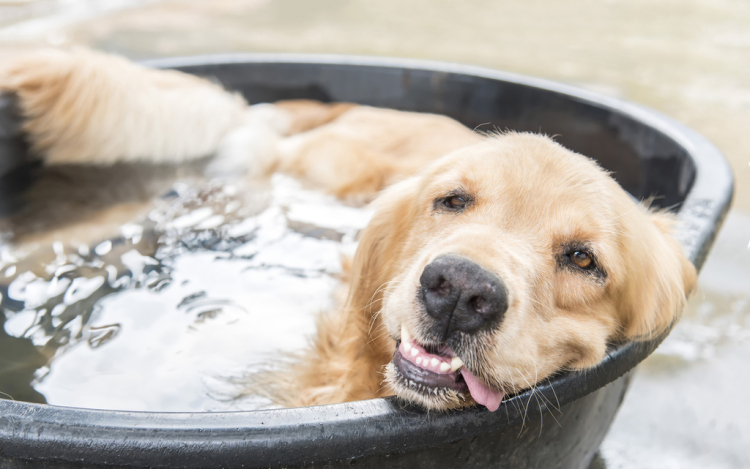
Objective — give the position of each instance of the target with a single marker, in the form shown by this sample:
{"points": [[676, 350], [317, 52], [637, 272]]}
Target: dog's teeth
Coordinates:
{"points": [[414, 352], [456, 363], [434, 362], [419, 360], [445, 366], [407, 345]]}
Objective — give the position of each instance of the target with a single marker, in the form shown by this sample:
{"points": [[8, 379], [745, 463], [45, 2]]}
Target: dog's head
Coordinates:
{"points": [[508, 261]]}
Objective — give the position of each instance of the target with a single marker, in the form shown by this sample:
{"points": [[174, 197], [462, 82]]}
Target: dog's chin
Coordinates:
{"points": [[433, 391]]}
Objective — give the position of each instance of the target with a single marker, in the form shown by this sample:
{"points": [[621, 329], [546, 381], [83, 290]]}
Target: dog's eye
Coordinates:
{"points": [[577, 257], [582, 259], [455, 202]]}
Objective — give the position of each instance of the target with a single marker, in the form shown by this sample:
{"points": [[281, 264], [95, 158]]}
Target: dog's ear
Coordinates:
{"points": [[382, 242], [660, 278]]}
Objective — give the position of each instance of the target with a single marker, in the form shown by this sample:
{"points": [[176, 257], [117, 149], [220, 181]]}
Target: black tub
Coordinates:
{"points": [[649, 154]]}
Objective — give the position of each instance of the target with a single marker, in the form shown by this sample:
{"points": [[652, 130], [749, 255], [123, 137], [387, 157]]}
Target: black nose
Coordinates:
{"points": [[461, 295]]}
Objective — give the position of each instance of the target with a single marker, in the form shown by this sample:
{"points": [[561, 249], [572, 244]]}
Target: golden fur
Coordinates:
{"points": [[85, 107], [532, 201]]}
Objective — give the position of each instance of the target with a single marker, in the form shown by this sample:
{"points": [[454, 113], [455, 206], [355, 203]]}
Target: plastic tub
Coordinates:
{"points": [[649, 154]]}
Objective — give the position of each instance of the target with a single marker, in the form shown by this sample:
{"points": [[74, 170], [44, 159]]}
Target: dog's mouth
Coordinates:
{"points": [[436, 370]]}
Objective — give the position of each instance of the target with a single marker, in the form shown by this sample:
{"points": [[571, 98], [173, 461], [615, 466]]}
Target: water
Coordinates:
{"points": [[212, 283]]}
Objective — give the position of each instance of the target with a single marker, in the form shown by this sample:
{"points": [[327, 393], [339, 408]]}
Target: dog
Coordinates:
{"points": [[492, 262]]}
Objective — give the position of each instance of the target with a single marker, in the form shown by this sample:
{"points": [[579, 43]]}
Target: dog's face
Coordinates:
{"points": [[508, 261]]}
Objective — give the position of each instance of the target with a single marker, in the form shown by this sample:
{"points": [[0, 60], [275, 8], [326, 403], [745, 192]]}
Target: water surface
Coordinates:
{"points": [[209, 284]]}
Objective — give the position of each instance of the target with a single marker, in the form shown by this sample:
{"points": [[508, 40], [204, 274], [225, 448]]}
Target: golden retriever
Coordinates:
{"points": [[492, 261]]}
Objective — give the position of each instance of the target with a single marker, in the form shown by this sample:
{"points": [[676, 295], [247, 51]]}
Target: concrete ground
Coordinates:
{"points": [[687, 407]]}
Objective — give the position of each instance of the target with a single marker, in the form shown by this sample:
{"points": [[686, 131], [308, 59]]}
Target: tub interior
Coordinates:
{"points": [[644, 161], [157, 288]]}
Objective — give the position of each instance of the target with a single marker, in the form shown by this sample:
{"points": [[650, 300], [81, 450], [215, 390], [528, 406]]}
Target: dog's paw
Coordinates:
{"points": [[251, 149]]}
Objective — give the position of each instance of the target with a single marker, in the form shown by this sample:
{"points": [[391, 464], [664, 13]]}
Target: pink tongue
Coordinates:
{"points": [[481, 393]]}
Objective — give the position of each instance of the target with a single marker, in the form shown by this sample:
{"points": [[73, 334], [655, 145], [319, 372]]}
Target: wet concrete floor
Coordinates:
{"points": [[687, 406]]}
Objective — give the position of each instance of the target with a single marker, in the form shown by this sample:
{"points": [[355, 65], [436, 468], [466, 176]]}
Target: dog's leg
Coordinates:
{"points": [[327, 151], [252, 148], [303, 115], [87, 107], [302, 138], [355, 151], [339, 165]]}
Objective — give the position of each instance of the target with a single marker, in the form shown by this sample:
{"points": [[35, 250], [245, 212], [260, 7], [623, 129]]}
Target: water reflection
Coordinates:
{"points": [[209, 284]]}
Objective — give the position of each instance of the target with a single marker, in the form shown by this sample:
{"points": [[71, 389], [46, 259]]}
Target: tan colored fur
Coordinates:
{"points": [[86, 107], [365, 149], [531, 199]]}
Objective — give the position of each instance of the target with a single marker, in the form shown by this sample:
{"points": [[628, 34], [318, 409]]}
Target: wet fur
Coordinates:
{"points": [[532, 198]]}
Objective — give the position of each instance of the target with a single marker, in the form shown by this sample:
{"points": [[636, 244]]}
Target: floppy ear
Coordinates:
{"points": [[660, 278], [382, 244]]}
